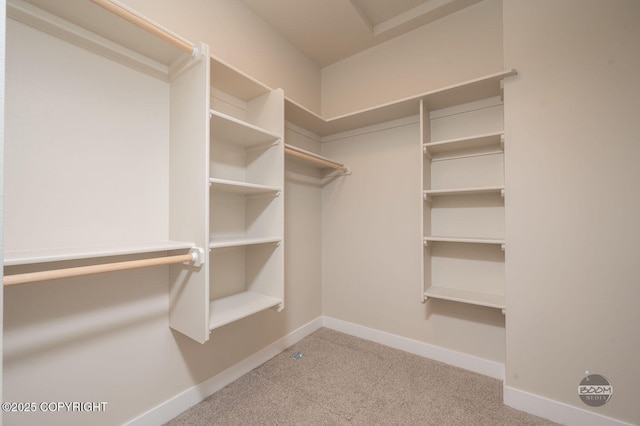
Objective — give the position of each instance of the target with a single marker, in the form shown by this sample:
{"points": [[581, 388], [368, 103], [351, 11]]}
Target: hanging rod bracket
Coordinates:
{"points": [[197, 254]]}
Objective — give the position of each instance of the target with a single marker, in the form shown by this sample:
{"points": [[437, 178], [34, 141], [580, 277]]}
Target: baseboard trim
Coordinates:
{"points": [[188, 398], [556, 411], [534, 404], [437, 353]]}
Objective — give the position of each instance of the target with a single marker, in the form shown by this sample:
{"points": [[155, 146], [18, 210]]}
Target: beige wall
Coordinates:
{"points": [[462, 46], [572, 198], [237, 36]]}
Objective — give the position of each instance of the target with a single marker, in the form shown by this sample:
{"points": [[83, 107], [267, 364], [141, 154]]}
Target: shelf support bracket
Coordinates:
{"points": [[426, 152]]}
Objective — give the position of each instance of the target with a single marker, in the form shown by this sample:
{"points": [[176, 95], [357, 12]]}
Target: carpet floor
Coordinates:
{"points": [[337, 379]]}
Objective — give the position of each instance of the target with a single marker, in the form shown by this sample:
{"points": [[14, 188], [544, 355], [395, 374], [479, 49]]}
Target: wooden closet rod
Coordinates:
{"points": [[145, 25], [55, 274], [309, 156]]}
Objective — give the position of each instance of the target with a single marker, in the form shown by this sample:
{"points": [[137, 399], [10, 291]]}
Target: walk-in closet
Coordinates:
{"points": [[191, 189]]}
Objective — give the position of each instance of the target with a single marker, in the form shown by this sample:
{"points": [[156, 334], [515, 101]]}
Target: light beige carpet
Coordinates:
{"points": [[344, 380]]}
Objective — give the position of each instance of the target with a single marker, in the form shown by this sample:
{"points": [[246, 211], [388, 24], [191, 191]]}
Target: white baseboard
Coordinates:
{"points": [[555, 411], [181, 402], [437, 353], [520, 400]]}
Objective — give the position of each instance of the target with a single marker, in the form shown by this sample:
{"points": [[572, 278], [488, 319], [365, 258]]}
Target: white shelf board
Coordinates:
{"points": [[238, 131], [232, 308], [25, 257], [471, 142], [464, 92], [234, 82], [466, 296], [90, 26], [224, 185], [464, 191], [242, 241], [465, 240]]}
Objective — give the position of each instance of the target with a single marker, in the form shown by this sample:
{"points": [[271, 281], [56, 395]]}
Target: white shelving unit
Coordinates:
{"points": [[247, 202], [456, 94], [225, 133], [467, 240], [463, 192], [240, 132], [473, 145]]}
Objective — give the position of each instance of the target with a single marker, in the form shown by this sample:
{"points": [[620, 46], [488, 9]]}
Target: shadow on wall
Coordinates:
{"points": [[53, 316]]}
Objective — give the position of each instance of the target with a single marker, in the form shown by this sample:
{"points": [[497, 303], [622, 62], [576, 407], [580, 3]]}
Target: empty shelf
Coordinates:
{"points": [[466, 296], [489, 140], [464, 191], [224, 185], [464, 240], [242, 241], [460, 93], [231, 129], [232, 308]]}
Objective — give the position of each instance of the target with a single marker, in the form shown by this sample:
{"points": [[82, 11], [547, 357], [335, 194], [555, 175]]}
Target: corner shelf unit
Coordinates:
{"points": [[463, 193], [456, 94]]}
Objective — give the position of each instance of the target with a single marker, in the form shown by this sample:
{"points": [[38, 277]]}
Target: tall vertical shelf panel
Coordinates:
{"points": [[189, 195], [461, 138], [247, 200], [463, 192]]}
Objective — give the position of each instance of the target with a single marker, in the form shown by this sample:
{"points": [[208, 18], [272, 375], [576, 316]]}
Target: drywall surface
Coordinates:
{"points": [[372, 247], [571, 122], [239, 37], [460, 47]]}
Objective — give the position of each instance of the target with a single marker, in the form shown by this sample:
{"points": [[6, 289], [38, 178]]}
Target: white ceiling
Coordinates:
{"points": [[327, 31]]}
